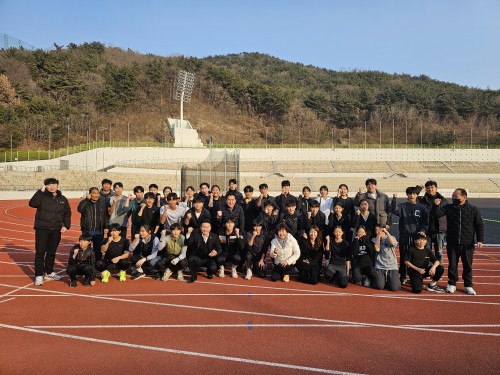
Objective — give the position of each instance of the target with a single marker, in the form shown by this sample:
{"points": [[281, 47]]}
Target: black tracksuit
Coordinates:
{"points": [[83, 264], [94, 219], [362, 251], [52, 213]]}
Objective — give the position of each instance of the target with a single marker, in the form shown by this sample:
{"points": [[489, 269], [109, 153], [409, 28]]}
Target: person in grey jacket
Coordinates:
{"points": [[378, 202], [464, 224]]}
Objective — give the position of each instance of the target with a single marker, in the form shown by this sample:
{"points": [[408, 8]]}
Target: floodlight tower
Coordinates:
{"points": [[183, 88]]}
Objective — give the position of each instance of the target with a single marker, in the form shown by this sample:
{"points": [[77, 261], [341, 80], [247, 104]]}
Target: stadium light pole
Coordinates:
{"points": [[183, 88]]}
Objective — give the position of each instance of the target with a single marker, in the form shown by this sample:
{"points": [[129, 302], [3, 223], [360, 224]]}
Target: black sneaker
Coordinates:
{"points": [[192, 279], [86, 282], [72, 284], [156, 276], [210, 276], [138, 275], [435, 288]]}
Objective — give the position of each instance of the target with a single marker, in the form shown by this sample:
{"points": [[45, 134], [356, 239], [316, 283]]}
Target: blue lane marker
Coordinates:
{"points": [[249, 294], [249, 326]]}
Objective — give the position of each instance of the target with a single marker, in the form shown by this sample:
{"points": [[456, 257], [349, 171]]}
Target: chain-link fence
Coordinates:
{"points": [[217, 169]]}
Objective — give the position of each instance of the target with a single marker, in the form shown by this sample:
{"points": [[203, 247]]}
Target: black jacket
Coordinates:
{"points": [[94, 215], [52, 212], [463, 223], [436, 224], [197, 246]]}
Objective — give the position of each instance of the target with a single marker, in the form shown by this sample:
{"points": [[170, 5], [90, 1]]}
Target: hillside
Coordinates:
{"points": [[242, 98]]}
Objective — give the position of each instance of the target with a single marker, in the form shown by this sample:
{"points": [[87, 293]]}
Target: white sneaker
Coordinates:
{"points": [[166, 275], [52, 276], [248, 276], [470, 291], [180, 276], [234, 274], [221, 271], [39, 281], [451, 288]]}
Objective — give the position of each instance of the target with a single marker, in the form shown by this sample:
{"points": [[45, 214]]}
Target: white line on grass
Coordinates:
{"points": [[182, 352]]}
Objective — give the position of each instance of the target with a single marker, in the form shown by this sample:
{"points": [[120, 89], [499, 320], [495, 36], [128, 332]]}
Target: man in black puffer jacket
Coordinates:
{"points": [[464, 222], [53, 217], [94, 218]]}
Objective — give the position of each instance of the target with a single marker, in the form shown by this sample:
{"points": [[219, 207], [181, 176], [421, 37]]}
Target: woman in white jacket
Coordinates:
{"points": [[285, 252]]}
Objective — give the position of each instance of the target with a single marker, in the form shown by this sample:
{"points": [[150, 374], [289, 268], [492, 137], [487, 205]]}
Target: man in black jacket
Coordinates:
{"points": [[437, 225], [94, 218], [203, 249], [53, 217], [464, 222]]}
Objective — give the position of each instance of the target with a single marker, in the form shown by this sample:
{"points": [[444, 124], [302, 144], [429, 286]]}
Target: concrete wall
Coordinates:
{"points": [[104, 157]]}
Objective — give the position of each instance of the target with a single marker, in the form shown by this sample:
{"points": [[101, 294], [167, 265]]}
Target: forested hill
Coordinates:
{"points": [[242, 98]]}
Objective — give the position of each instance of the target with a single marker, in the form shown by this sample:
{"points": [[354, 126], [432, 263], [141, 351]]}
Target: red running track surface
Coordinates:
{"points": [[234, 326]]}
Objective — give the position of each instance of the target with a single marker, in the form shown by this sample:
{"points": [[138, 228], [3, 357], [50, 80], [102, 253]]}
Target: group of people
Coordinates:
{"points": [[340, 238]]}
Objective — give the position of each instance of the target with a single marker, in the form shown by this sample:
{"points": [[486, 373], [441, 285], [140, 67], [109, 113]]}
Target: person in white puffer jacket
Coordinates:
{"points": [[284, 252]]}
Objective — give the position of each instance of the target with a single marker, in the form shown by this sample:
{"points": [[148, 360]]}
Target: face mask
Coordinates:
{"points": [[456, 202]]}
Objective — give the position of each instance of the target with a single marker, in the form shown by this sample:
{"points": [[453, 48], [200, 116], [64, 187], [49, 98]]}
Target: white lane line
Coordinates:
{"points": [[256, 313], [453, 325], [7, 300], [200, 326], [223, 294], [182, 352]]}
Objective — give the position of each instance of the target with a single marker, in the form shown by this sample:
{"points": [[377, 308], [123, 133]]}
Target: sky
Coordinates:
{"points": [[449, 40]]}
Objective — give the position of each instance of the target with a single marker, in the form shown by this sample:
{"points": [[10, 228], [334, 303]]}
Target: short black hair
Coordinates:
{"points": [[315, 203], [233, 181], [138, 189], [172, 196], [291, 203], [285, 183], [149, 195], [248, 189], [462, 191], [117, 184], [413, 190], [175, 226], [115, 226], [153, 186], [431, 183], [323, 187], [370, 181], [197, 199], [263, 186], [85, 236], [51, 180], [106, 181], [206, 184], [92, 189], [306, 188]]}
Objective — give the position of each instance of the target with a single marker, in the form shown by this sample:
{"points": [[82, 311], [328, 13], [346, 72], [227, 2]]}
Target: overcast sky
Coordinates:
{"points": [[449, 40]]}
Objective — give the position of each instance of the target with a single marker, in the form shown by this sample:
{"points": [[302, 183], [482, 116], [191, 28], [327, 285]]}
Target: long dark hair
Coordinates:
{"points": [[318, 241]]}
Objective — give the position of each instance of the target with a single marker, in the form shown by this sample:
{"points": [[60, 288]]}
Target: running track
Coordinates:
{"points": [[234, 326]]}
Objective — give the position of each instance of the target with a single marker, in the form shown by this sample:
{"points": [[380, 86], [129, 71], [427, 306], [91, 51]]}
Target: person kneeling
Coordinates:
{"points": [[82, 261], [115, 255], [173, 253], [422, 263], [285, 252], [203, 249], [145, 248]]}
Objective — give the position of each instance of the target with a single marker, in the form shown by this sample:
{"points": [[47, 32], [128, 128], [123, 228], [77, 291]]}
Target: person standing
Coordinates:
{"points": [[437, 225], [94, 219], [464, 222], [53, 217], [378, 202]]}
